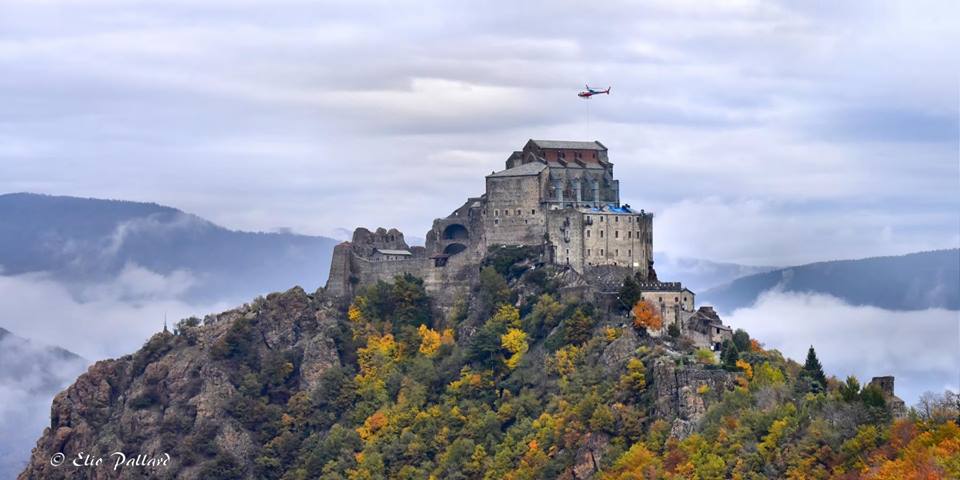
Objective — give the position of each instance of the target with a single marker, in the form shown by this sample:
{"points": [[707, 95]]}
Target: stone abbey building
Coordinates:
{"points": [[558, 195]]}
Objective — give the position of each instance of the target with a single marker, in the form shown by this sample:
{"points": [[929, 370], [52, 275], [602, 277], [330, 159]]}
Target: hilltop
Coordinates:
{"points": [[523, 378]]}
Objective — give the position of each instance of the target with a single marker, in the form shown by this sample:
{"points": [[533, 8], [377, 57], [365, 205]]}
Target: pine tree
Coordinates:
{"points": [[813, 370]]}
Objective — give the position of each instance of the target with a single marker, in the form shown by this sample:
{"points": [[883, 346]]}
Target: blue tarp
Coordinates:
{"points": [[612, 209]]}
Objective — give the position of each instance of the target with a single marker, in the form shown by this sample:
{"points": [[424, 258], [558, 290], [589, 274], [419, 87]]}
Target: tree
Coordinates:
{"points": [[629, 292], [515, 342], [673, 330], [646, 316], [634, 381], [729, 356], [579, 327], [429, 340], [850, 390], [742, 340], [493, 288], [544, 316], [813, 372], [411, 305]]}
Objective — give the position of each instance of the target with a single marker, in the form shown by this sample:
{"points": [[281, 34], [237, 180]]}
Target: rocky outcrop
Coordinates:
{"points": [[590, 455], [171, 397], [682, 393]]}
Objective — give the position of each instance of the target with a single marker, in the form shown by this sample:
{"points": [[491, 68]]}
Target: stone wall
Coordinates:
{"points": [[618, 239], [513, 214]]}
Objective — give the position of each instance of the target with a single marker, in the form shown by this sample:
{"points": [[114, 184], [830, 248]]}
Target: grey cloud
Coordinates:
{"points": [[257, 116]]}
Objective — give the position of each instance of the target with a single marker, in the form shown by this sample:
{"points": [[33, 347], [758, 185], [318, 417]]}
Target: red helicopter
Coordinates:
{"points": [[589, 92]]}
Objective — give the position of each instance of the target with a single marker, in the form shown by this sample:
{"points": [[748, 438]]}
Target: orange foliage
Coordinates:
{"points": [[645, 315]]}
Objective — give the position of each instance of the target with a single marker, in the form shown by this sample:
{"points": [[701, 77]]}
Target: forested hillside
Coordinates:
{"points": [[521, 379]]}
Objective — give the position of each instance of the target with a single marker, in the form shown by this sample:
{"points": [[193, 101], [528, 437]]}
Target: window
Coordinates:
{"points": [[588, 252], [601, 233], [496, 221], [568, 252], [518, 212], [601, 252], [616, 252], [533, 212], [616, 234], [601, 218], [629, 253], [616, 219], [588, 233], [629, 233], [506, 213], [496, 213]]}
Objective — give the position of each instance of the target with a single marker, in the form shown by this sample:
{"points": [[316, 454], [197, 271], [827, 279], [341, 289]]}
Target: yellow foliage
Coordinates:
{"points": [[638, 463], [429, 341], [446, 338], [703, 389], [635, 380], [566, 359], [376, 359], [611, 333], [507, 315], [645, 315], [747, 369], [515, 342], [372, 425], [354, 314]]}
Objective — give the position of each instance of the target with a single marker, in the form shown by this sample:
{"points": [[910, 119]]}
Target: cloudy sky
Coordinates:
{"points": [[759, 132]]}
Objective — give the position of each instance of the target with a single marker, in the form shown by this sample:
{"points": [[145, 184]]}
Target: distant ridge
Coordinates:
{"points": [[87, 239], [915, 281]]}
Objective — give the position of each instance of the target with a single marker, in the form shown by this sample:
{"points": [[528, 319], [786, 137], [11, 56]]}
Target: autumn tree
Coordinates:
{"points": [[429, 341], [646, 316], [515, 342]]}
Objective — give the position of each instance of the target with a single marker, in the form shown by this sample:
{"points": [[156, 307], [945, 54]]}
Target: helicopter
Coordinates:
{"points": [[589, 92]]}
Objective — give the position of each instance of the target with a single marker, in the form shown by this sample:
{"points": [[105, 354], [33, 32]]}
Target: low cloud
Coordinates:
{"points": [[107, 319], [920, 348], [115, 317], [32, 374]]}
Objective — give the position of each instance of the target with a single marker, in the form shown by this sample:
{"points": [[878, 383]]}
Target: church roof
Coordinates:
{"points": [[568, 144], [532, 168]]}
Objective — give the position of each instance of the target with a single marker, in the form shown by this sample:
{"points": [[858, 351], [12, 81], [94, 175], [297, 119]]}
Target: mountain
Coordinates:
{"points": [[30, 374], [532, 375], [698, 274], [84, 240], [916, 281]]}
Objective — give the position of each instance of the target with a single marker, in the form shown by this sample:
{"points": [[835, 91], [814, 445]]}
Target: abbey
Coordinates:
{"points": [[560, 196]]}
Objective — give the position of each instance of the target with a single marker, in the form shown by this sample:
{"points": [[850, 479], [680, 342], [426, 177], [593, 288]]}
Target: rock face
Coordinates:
{"points": [[171, 396], [683, 393]]}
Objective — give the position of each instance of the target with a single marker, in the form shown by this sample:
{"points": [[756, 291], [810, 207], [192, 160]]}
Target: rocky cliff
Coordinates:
{"points": [[173, 395], [533, 371]]}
